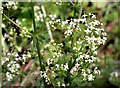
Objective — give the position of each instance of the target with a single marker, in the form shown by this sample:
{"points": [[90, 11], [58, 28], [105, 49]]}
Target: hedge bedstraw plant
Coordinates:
{"points": [[68, 63]]}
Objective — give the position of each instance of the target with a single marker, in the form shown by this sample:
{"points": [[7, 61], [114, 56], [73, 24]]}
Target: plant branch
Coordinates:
{"points": [[73, 40], [47, 24], [37, 42], [80, 11], [72, 2], [11, 21]]}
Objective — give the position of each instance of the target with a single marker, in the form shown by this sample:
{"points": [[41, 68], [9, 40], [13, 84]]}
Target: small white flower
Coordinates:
{"points": [[8, 65], [75, 20], [66, 67], [51, 22], [100, 29], [48, 61], [12, 69], [86, 56], [29, 55], [3, 62], [104, 33], [58, 20], [71, 71], [75, 68], [15, 7], [77, 59], [63, 84], [82, 20], [6, 59], [85, 15], [96, 22], [8, 54], [77, 65], [3, 25], [87, 31], [84, 74], [89, 60], [17, 65], [41, 15], [58, 84], [95, 52], [44, 75], [54, 15], [16, 54], [93, 58], [72, 24], [68, 32], [23, 56], [9, 76], [90, 77], [81, 56], [93, 16], [57, 65], [101, 23], [94, 48], [97, 71], [23, 19]]}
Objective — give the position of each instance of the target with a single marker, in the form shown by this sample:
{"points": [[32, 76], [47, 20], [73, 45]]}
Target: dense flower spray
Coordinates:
{"points": [[82, 38], [67, 62]]}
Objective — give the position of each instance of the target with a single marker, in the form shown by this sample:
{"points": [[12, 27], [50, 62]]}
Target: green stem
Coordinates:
{"points": [[37, 42], [11, 21], [73, 40], [47, 24], [80, 11]]}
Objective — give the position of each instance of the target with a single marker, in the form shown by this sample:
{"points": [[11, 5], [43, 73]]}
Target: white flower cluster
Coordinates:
{"points": [[38, 14], [54, 52], [12, 5], [9, 76], [11, 65], [89, 35], [1, 10], [11, 62]]}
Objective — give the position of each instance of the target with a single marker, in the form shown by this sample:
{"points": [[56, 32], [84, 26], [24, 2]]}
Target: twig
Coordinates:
{"points": [[80, 11], [37, 42], [72, 3], [47, 24], [11, 21]]}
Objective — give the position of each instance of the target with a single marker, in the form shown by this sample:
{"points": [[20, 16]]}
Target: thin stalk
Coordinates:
{"points": [[47, 24], [80, 11], [72, 2], [37, 42], [108, 8], [11, 21]]}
